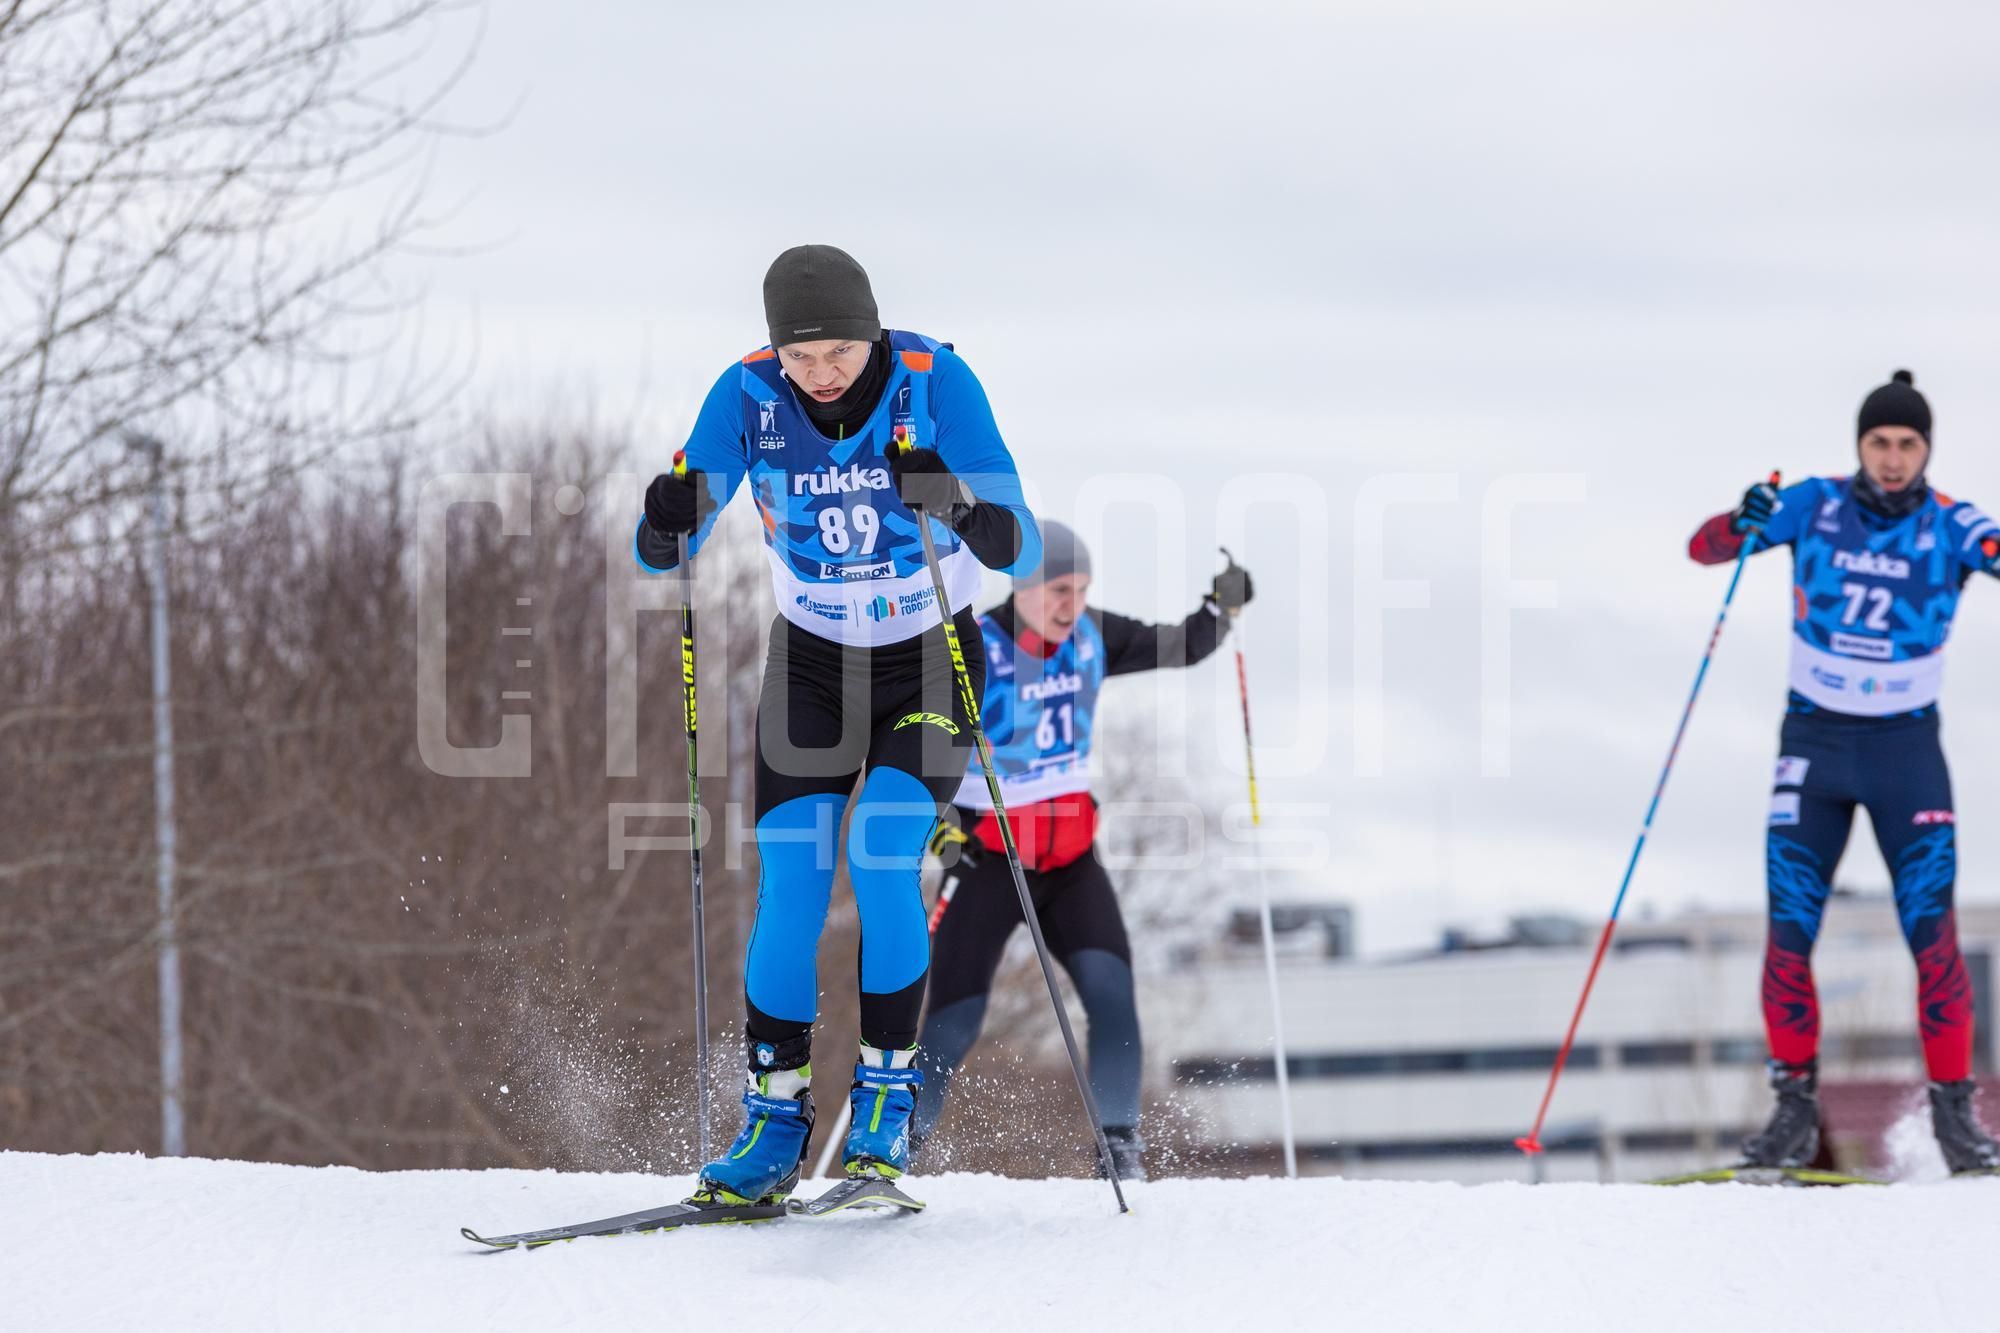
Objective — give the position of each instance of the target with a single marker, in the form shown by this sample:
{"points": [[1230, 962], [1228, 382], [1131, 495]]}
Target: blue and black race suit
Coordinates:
{"points": [[1872, 604], [858, 685]]}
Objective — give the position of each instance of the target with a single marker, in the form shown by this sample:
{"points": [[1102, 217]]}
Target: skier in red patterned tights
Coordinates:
{"points": [[1879, 562]]}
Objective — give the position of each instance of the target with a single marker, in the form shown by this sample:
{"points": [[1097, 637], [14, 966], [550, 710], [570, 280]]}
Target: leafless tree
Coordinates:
{"points": [[386, 967], [171, 255], [372, 951]]}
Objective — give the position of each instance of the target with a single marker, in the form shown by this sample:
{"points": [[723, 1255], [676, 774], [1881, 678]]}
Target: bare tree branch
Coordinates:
{"points": [[164, 262]]}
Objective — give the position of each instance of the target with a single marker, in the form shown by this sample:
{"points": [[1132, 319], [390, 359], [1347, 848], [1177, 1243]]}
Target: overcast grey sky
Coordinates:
{"points": [[1657, 250]]}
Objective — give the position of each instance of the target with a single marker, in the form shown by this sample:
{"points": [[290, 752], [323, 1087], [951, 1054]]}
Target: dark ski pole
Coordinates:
{"points": [[694, 838], [1531, 1142], [970, 702]]}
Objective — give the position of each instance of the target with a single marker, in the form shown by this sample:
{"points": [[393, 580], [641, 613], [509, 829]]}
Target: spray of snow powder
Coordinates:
{"points": [[1909, 1148]]}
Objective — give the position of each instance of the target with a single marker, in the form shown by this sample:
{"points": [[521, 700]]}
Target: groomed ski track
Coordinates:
{"points": [[133, 1242]]}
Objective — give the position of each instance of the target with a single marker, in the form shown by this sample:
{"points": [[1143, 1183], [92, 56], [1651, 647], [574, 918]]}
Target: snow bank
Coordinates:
{"points": [[132, 1242]]}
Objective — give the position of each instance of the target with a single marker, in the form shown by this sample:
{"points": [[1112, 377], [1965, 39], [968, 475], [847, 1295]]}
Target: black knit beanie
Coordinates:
{"points": [[818, 291], [1896, 403], [1063, 552]]}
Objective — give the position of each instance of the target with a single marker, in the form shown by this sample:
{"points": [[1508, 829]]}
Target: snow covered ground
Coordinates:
{"points": [[131, 1242]]}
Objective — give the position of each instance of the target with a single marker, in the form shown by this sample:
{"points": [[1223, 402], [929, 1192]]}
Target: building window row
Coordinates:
{"points": [[1215, 1071]]}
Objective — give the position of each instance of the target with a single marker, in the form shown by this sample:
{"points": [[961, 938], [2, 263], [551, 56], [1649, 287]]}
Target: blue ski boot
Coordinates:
{"points": [[762, 1166], [883, 1097]]}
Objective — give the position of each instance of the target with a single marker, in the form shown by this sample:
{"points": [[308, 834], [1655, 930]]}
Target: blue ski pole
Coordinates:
{"points": [[1531, 1142]]}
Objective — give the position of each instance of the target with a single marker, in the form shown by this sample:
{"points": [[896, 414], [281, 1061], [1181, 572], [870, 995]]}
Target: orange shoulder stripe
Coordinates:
{"points": [[765, 355], [917, 361]]}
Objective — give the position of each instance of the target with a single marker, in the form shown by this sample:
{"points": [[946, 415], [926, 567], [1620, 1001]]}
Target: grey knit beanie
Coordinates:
{"points": [[818, 291], [1063, 552]]}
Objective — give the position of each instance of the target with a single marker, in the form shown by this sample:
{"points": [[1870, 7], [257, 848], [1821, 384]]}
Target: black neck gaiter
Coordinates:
{"points": [[848, 413], [1890, 504]]}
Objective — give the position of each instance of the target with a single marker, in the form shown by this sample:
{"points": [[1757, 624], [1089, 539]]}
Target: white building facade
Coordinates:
{"points": [[1429, 1068]]}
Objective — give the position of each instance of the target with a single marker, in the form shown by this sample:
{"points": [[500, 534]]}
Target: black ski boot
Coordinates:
{"points": [[1127, 1149], [1791, 1139], [1966, 1144]]}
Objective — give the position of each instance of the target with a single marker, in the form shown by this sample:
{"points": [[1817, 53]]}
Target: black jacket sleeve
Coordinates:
{"points": [[1133, 645], [993, 533]]}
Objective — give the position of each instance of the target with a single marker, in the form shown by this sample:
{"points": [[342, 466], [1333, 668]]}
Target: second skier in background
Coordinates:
{"points": [[1047, 655], [1879, 560]]}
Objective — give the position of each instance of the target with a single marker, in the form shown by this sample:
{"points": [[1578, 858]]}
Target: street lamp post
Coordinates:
{"points": [[173, 1121]]}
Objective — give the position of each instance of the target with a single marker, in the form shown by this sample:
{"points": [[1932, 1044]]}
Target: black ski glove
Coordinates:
{"points": [[949, 841], [678, 502], [1759, 503], [924, 482], [1232, 589]]}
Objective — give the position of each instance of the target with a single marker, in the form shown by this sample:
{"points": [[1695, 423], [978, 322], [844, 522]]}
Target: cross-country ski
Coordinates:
{"points": [[858, 1192], [645, 1222]]}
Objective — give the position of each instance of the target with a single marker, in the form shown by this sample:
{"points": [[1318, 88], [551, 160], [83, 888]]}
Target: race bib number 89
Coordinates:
{"points": [[840, 528]]}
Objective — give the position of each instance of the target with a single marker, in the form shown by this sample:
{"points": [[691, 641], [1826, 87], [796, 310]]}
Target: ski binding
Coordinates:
{"points": [[856, 1192]]}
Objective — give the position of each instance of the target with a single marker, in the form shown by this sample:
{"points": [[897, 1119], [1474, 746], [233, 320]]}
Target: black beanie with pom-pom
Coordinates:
{"points": [[1896, 403]]}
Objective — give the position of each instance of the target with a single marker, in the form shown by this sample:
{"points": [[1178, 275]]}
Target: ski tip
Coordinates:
{"points": [[1528, 1143], [478, 1239]]}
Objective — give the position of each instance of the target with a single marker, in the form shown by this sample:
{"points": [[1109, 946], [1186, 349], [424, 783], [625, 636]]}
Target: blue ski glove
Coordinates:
{"points": [[1759, 503]]}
